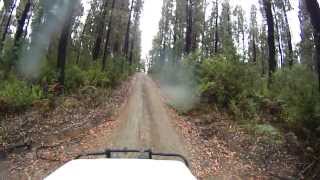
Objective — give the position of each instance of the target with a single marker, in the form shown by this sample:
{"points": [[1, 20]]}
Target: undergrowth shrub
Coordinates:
{"points": [[96, 77], [232, 84], [17, 94], [292, 98], [74, 77], [297, 89]]}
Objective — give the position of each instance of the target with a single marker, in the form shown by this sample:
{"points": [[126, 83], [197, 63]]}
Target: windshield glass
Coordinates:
{"points": [[231, 88]]}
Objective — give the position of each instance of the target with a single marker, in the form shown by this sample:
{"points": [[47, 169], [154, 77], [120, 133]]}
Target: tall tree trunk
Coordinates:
{"points": [[204, 24], [6, 28], [101, 26], [63, 43], [254, 49], [105, 53], [271, 43], [289, 38], [3, 18], [189, 27], [278, 35], [243, 43], [19, 33], [127, 38], [314, 10], [81, 42], [21, 23], [217, 30], [175, 38], [28, 22], [131, 52]]}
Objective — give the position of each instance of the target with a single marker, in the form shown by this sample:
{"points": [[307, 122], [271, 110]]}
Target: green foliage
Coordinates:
{"points": [[18, 94], [297, 89], [96, 77], [239, 87], [226, 81], [75, 77]]}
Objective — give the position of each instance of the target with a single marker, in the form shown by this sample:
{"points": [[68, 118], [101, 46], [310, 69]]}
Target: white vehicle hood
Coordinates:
{"points": [[122, 169]]}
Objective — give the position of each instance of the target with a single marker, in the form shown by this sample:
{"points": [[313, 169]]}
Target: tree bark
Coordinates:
{"points": [[314, 10], [216, 28], [28, 22], [19, 33], [101, 26], [278, 35], [105, 53], [80, 43], [204, 24], [127, 38], [63, 43], [21, 23], [254, 51], [289, 38], [6, 28], [271, 43], [189, 27]]}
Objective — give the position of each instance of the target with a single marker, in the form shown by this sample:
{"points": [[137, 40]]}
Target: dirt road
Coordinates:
{"points": [[145, 123], [142, 120]]}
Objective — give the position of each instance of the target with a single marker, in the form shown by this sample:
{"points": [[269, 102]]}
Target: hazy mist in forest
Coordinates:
{"points": [[30, 62]]}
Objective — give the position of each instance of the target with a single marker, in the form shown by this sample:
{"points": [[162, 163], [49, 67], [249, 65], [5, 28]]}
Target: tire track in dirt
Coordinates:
{"points": [[145, 123]]}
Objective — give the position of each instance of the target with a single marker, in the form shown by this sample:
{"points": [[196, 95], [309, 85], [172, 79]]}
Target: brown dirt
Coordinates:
{"points": [[221, 149], [216, 147], [78, 124]]}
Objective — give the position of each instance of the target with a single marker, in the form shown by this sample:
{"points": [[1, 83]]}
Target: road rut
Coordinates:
{"points": [[145, 123]]}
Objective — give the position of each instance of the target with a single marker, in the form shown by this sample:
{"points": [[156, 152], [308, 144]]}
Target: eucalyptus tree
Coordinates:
{"points": [[271, 44], [285, 6], [106, 45], [314, 11], [65, 35], [253, 35], [307, 49], [225, 30], [10, 6], [134, 54], [239, 27], [101, 23], [127, 37]]}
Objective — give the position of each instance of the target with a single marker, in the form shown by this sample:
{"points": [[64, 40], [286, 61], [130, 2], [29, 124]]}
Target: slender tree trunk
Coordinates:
{"points": [[271, 43], [21, 23], [278, 35], [189, 14], [63, 43], [289, 39], [19, 33], [28, 22], [105, 53], [81, 43], [204, 44], [127, 38], [3, 18], [101, 26], [6, 28], [254, 48], [243, 43], [217, 30], [175, 37], [131, 52], [314, 10]]}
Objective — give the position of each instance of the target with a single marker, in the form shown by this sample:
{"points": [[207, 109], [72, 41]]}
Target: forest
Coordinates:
{"points": [[245, 63], [60, 59], [50, 47]]}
